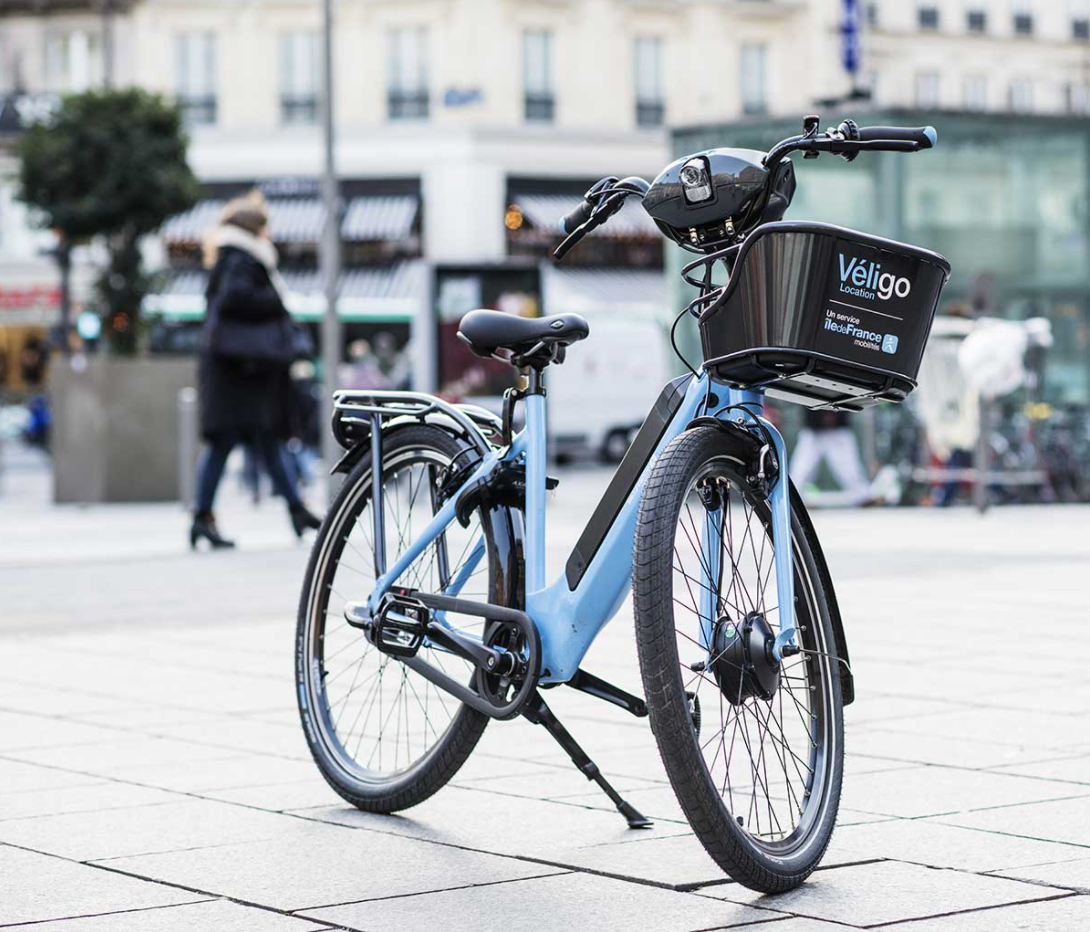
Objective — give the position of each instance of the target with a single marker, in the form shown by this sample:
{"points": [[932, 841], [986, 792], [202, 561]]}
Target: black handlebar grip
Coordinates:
{"points": [[924, 136], [580, 215]]}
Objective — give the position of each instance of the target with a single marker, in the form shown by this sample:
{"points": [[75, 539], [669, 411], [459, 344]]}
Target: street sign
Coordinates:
{"points": [[849, 33]]}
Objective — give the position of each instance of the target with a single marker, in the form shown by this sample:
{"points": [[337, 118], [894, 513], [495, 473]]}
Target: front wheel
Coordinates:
{"points": [[754, 749]]}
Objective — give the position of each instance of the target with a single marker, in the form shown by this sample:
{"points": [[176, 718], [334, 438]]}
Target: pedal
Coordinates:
{"points": [[358, 615], [399, 625]]}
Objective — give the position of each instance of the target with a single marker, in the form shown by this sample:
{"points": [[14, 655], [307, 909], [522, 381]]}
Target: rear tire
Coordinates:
{"points": [[328, 650], [799, 810]]}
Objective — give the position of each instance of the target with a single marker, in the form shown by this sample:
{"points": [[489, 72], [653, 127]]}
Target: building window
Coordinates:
{"points": [[1080, 28], [407, 84], [927, 89], [537, 76], [1077, 99], [976, 21], [976, 92], [1021, 96], [195, 85], [754, 91], [299, 77], [1022, 22], [650, 106], [928, 17], [872, 15], [73, 61]]}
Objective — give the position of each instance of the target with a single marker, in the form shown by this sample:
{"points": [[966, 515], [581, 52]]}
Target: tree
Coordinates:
{"points": [[110, 164]]}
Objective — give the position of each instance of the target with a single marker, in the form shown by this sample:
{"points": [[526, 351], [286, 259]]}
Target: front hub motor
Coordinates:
{"points": [[742, 658]]}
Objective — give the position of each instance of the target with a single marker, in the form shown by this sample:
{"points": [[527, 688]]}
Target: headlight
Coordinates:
{"points": [[695, 182]]}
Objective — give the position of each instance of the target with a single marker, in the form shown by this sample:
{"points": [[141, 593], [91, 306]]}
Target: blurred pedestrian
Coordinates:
{"points": [[32, 362], [245, 389], [827, 435]]}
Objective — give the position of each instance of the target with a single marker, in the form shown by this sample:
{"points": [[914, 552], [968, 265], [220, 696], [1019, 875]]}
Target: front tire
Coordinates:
{"points": [[758, 769]]}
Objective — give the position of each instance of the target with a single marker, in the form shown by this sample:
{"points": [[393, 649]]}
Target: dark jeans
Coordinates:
{"points": [[215, 461], [948, 492]]}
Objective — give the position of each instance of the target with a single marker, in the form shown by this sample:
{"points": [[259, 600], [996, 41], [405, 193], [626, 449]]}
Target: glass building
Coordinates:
{"points": [[1005, 198]]}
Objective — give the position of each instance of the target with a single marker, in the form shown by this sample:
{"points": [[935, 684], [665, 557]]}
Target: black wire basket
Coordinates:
{"points": [[824, 316]]}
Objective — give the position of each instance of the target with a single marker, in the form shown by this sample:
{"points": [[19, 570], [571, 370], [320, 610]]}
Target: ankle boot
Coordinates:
{"points": [[302, 519], [204, 525]]}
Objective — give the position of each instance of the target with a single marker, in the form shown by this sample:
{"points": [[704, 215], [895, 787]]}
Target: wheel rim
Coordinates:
{"points": [[768, 757], [377, 719]]}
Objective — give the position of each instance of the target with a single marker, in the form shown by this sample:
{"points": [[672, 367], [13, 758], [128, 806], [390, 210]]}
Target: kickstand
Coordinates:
{"points": [[539, 713]]}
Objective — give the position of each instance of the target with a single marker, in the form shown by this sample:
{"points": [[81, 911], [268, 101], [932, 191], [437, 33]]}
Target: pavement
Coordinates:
{"points": [[153, 775]]}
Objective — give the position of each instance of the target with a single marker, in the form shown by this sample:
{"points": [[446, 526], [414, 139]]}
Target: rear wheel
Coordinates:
{"points": [[753, 748], [383, 736]]}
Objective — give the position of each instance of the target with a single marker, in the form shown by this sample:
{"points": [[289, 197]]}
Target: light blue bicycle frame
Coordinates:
{"points": [[568, 620]]}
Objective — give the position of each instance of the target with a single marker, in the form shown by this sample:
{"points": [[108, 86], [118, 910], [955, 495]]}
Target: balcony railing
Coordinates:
{"points": [[406, 105], [198, 110], [650, 113], [298, 109], [540, 108]]}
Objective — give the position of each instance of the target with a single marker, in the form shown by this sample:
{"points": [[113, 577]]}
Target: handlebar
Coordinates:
{"points": [[580, 215], [601, 202], [607, 196], [924, 136], [848, 140]]}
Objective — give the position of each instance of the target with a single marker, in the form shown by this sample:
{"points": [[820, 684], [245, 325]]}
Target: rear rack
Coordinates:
{"points": [[355, 412]]}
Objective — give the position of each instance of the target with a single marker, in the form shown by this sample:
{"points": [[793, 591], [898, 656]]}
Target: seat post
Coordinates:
{"points": [[536, 455]]}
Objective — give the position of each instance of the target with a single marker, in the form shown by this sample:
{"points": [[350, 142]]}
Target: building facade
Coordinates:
{"points": [[492, 115]]}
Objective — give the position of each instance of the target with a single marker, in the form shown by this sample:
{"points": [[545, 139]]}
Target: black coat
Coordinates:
{"points": [[237, 397]]}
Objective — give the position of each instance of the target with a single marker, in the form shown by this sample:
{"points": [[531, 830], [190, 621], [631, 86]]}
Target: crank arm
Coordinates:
{"points": [[488, 659]]}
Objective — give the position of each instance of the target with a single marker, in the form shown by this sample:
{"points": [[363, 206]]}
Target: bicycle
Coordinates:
{"points": [[426, 612]]}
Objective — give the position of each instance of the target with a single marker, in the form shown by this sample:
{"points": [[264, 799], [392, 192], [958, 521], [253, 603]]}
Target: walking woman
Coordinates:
{"points": [[245, 388]]}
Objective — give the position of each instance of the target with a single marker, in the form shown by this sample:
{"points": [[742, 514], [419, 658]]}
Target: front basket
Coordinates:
{"points": [[824, 316]]}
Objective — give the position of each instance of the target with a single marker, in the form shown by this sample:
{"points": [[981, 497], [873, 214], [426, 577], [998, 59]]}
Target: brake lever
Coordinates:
{"points": [[601, 214]]}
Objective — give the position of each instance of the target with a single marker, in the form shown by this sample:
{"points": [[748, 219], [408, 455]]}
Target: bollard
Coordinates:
{"points": [[188, 442], [982, 457]]}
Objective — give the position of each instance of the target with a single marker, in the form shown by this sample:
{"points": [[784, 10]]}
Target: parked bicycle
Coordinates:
{"points": [[426, 611]]}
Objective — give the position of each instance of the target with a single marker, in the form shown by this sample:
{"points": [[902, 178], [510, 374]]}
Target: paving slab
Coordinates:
{"points": [[1074, 874], [1068, 914], [320, 865], [112, 833], [473, 818], [559, 903], [119, 756], [218, 915], [884, 892], [938, 790], [279, 797], [936, 844], [37, 887], [21, 731], [893, 742], [87, 798], [20, 777], [203, 774], [1067, 769], [1063, 820]]}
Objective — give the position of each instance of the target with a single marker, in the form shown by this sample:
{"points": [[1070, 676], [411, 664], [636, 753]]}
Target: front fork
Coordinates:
{"points": [[711, 570]]}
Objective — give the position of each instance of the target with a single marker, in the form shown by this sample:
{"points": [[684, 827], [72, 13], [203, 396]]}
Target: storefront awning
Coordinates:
{"points": [[388, 294], [300, 220], [593, 292], [543, 213]]}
